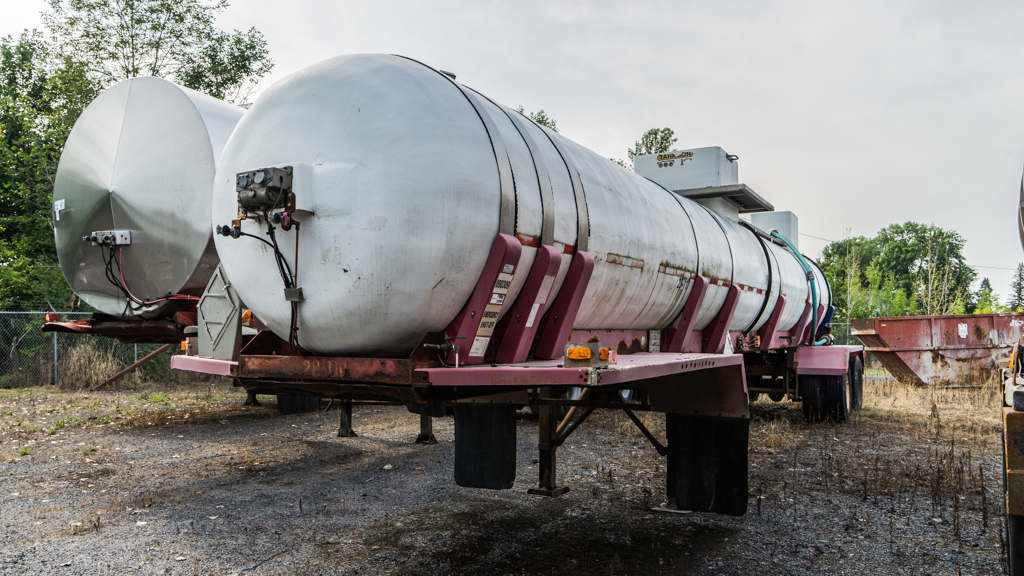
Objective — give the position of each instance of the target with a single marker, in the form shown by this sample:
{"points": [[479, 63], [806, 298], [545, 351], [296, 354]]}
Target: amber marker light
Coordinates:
{"points": [[578, 353]]}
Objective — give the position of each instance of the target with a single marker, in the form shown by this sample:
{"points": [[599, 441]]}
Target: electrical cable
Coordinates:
{"points": [[132, 302]]}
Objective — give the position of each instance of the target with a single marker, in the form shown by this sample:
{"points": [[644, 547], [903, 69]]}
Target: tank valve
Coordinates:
{"points": [[233, 231], [264, 189]]}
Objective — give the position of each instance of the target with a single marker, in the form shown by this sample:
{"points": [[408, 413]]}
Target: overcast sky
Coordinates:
{"points": [[854, 115]]}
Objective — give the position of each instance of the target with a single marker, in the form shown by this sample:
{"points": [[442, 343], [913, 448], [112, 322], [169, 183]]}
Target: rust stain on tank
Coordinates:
{"points": [[632, 347]]}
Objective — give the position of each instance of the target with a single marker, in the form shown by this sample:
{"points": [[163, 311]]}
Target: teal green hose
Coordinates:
{"points": [[810, 280]]}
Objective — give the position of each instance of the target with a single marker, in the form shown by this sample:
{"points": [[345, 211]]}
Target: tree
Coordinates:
{"points": [[41, 95], [986, 301], [906, 269], [540, 117], [175, 39], [654, 141], [1016, 303]]}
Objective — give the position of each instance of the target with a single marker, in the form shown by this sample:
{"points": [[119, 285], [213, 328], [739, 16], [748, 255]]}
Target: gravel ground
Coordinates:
{"points": [[187, 481]]}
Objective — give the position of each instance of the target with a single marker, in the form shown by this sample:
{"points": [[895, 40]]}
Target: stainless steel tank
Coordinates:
{"points": [[139, 165], [403, 178]]}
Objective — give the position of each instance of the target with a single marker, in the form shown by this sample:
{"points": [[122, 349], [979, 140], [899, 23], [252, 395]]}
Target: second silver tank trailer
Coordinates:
{"points": [[131, 207], [404, 237]]}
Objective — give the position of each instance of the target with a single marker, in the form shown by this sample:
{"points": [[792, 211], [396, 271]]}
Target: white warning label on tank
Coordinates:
{"points": [[508, 268], [479, 346], [545, 289], [533, 314], [488, 320], [498, 299], [58, 205]]}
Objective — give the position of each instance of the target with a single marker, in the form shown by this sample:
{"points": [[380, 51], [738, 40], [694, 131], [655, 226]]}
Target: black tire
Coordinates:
{"points": [[571, 393], [838, 398], [1014, 531], [296, 404], [857, 381], [753, 396], [776, 396], [1015, 544], [813, 397]]}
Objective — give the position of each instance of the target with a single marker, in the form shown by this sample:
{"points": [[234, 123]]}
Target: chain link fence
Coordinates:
{"points": [[29, 357]]}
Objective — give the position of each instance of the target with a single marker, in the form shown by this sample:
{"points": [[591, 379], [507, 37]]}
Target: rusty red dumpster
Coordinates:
{"points": [[940, 349]]}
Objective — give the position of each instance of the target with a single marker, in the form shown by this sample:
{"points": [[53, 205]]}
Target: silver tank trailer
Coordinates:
{"points": [[400, 196], [139, 166]]}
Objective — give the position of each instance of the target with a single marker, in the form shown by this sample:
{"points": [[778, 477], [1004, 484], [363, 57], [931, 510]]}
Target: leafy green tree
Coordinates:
{"points": [[986, 301], [906, 269], [540, 117], [1016, 303], [175, 39], [654, 141], [845, 264], [41, 95], [926, 258]]}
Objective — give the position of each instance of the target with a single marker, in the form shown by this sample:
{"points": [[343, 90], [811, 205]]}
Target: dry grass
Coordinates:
{"points": [[85, 366], [653, 421], [920, 452]]}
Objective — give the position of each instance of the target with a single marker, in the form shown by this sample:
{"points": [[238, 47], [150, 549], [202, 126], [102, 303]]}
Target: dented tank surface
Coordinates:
{"points": [[140, 160], [399, 196], [940, 349]]}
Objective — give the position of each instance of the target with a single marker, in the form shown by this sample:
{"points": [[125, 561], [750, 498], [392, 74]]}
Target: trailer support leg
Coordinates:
{"points": [[547, 459], [345, 421], [426, 429], [250, 399]]}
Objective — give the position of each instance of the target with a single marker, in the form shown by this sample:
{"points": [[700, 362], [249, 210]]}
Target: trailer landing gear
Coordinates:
{"points": [[547, 460], [345, 421]]}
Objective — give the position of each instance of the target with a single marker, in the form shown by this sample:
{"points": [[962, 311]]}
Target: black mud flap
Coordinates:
{"points": [[297, 403], [707, 463], [485, 446], [432, 409]]}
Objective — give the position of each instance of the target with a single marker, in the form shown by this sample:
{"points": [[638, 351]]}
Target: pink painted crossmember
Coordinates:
{"points": [[203, 365], [631, 368]]}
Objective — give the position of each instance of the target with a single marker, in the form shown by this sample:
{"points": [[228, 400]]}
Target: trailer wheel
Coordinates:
{"points": [[857, 381], [813, 397], [1015, 544], [776, 396], [838, 398], [628, 396], [296, 404], [571, 393], [1014, 529]]}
